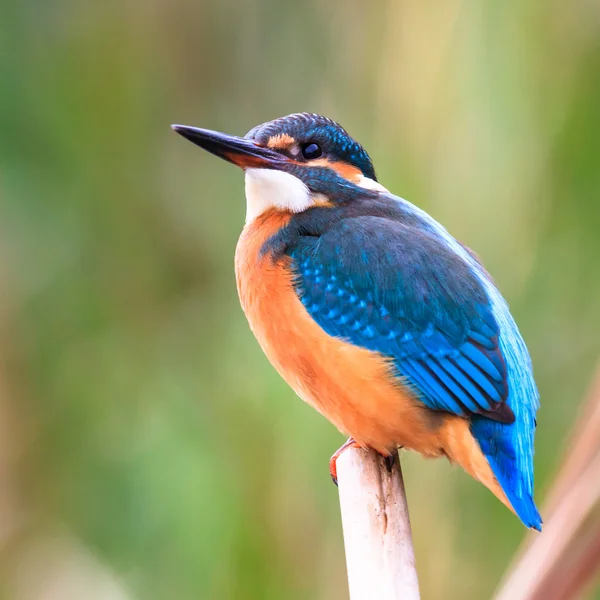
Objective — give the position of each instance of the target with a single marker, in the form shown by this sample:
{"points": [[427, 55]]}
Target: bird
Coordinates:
{"points": [[373, 313]]}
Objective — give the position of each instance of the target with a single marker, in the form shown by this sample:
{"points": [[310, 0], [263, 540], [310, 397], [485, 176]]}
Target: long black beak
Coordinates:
{"points": [[239, 151]]}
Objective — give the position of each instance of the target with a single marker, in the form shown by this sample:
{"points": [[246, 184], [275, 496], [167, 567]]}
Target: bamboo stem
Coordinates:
{"points": [[377, 536]]}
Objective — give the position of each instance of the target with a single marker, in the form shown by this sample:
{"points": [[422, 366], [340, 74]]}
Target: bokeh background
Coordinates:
{"points": [[147, 448]]}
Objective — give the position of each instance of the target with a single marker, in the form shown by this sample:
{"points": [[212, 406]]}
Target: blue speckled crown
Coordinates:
{"points": [[310, 127]]}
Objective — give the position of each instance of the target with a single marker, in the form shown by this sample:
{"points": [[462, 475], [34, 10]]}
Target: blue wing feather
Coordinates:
{"points": [[402, 293]]}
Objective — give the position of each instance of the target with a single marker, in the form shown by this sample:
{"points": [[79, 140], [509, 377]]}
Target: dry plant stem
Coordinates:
{"points": [[584, 444], [541, 568], [377, 536], [537, 564]]}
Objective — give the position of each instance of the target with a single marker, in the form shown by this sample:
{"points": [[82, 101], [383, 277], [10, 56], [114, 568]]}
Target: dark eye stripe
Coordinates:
{"points": [[311, 150]]}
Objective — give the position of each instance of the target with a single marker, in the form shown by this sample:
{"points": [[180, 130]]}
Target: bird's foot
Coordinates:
{"points": [[389, 459], [350, 443]]}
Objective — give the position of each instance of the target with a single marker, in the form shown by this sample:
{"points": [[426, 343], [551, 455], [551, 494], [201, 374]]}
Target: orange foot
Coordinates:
{"points": [[351, 443]]}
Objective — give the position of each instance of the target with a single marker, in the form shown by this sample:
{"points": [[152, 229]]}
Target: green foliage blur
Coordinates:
{"points": [[147, 448]]}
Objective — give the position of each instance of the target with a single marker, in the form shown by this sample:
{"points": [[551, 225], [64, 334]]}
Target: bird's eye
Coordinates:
{"points": [[311, 150]]}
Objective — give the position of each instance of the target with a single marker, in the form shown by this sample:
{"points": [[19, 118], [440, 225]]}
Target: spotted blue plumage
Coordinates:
{"points": [[410, 291]]}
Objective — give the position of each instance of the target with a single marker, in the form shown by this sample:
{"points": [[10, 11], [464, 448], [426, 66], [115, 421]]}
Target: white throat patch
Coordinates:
{"points": [[267, 188]]}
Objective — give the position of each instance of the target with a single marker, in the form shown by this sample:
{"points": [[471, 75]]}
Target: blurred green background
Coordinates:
{"points": [[147, 448]]}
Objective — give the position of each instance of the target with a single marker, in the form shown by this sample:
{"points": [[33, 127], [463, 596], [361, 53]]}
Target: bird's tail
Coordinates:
{"points": [[514, 473], [465, 445]]}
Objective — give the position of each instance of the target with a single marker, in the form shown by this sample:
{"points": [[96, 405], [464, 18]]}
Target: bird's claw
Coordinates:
{"points": [[350, 443]]}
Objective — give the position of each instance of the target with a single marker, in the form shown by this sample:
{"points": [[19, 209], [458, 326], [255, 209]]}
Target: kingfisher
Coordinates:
{"points": [[373, 312]]}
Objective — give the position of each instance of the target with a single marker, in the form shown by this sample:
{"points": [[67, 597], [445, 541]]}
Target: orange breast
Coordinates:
{"points": [[351, 386]]}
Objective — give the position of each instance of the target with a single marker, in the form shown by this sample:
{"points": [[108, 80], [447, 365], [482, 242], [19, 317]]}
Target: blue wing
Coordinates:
{"points": [[400, 291]]}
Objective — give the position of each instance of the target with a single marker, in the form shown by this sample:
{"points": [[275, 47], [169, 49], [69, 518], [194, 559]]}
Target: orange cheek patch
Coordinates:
{"points": [[348, 172], [281, 141]]}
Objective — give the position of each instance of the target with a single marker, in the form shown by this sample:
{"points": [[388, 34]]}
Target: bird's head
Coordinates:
{"points": [[293, 163]]}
